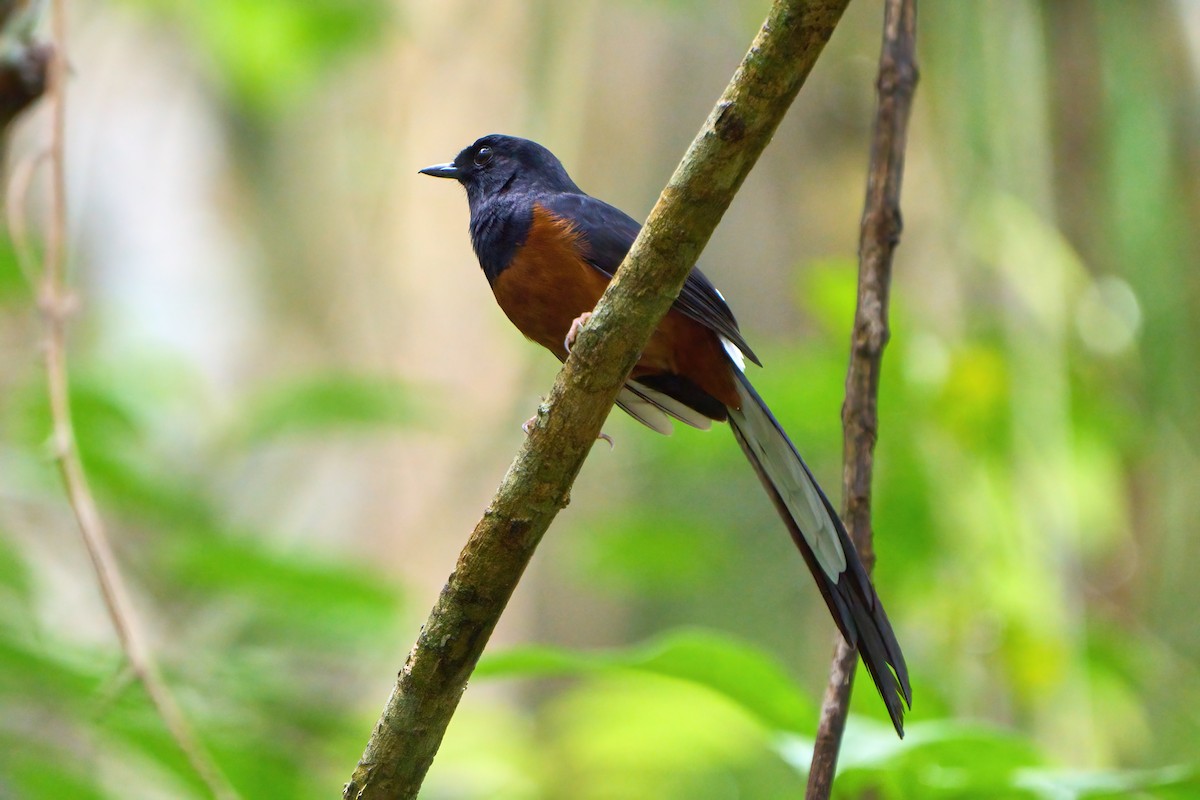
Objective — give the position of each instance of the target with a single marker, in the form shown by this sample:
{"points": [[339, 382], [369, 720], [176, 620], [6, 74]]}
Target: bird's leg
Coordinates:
{"points": [[569, 342], [576, 326]]}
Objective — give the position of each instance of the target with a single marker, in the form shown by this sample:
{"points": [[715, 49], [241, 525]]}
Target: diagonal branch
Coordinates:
{"points": [[878, 239], [538, 482], [56, 305]]}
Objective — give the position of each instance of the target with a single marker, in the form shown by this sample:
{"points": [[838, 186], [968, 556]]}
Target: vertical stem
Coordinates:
{"points": [[880, 234], [56, 305]]}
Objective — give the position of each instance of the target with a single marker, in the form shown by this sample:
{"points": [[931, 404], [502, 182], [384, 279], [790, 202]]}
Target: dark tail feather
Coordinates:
{"points": [[819, 533]]}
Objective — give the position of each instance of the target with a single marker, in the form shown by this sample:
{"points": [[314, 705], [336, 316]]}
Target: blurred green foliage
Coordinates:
{"points": [[1034, 492], [261, 668], [326, 402], [728, 667], [267, 54]]}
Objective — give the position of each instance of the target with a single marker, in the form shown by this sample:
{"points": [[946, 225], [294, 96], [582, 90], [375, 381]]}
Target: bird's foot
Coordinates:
{"points": [[528, 424], [576, 326]]}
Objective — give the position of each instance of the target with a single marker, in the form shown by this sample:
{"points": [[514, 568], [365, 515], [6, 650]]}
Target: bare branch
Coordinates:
{"points": [[538, 482], [56, 304], [879, 236]]}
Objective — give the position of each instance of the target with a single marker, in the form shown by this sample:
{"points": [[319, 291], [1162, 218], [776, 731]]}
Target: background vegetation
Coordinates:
{"points": [[294, 394]]}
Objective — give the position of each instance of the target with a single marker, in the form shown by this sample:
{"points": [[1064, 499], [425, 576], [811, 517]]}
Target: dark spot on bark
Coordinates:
{"points": [[729, 125]]}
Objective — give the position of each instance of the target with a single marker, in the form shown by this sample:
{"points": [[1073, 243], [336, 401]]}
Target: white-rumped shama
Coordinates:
{"points": [[549, 250]]}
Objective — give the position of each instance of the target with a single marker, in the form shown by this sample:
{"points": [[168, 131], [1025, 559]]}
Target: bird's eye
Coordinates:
{"points": [[483, 156]]}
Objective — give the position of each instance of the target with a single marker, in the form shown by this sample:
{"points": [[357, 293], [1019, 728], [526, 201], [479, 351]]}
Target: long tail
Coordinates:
{"points": [[828, 551]]}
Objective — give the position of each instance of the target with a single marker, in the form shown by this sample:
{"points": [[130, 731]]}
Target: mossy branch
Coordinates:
{"points": [[538, 482]]}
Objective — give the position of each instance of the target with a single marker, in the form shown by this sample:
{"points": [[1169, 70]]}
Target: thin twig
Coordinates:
{"points": [[536, 487], [56, 305], [880, 233], [14, 202]]}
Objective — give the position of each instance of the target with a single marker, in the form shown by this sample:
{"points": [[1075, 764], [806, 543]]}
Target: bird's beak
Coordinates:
{"points": [[442, 171]]}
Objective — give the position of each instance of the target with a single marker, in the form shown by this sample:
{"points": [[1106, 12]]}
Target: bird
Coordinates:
{"points": [[549, 250]]}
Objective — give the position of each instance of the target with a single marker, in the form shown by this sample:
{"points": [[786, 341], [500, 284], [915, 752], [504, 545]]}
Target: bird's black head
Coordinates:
{"points": [[496, 164]]}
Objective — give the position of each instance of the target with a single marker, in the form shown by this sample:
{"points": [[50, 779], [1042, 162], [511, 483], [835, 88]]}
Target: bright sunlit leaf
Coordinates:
{"points": [[734, 669]]}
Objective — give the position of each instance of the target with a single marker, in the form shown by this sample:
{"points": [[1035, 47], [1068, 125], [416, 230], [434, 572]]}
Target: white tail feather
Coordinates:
{"points": [[654, 409], [791, 479], [644, 411]]}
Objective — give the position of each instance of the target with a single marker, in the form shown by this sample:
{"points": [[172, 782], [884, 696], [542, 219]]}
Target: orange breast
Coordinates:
{"points": [[548, 284]]}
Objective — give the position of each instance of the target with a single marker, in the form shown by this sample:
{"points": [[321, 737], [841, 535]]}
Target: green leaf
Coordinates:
{"points": [[327, 402], [935, 759], [269, 52], [15, 581], [102, 416], [641, 737], [1168, 782], [130, 460], [734, 669], [37, 771], [283, 591], [46, 672], [14, 287]]}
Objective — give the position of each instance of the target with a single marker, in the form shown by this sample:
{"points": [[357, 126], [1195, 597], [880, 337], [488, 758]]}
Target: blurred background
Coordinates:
{"points": [[294, 395]]}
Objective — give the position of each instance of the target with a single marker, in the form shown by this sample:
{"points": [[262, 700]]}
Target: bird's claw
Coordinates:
{"points": [[528, 424], [576, 326]]}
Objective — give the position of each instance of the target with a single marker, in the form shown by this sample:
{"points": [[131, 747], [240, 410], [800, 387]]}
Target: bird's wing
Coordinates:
{"points": [[609, 233]]}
